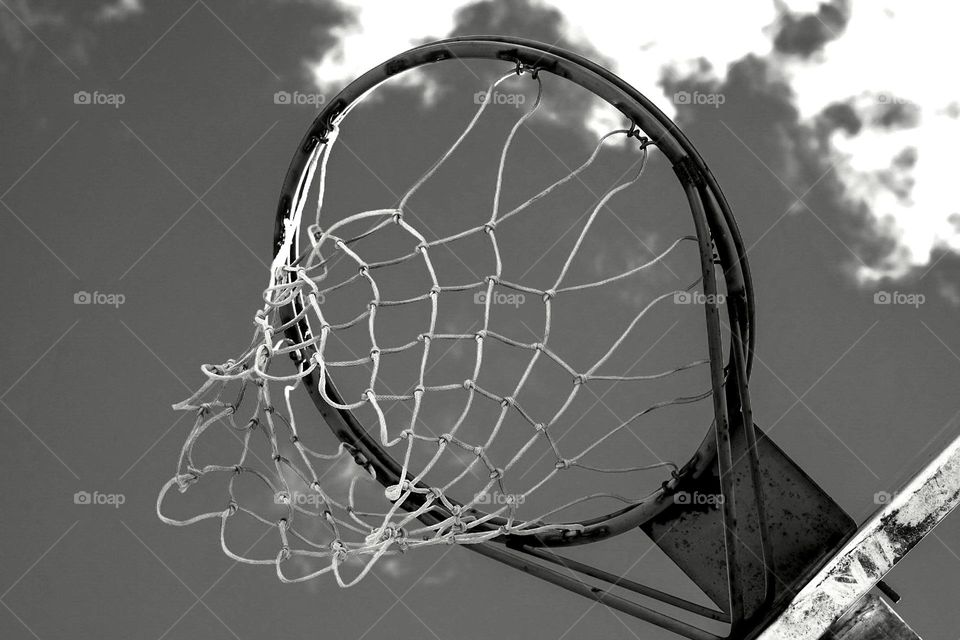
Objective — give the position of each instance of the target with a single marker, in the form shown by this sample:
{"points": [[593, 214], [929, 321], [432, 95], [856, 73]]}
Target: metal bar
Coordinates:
{"points": [[738, 305], [753, 456], [628, 584], [603, 596], [724, 445], [875, 549]]}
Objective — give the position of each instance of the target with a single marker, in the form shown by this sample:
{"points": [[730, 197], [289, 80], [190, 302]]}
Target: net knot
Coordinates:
{"points": [[496, 474], [480, 335], [373, 304], [422, 247], [390, 533], [563, 463], [489, 227], [635, 132], [468, 384], [294, 438], [478, 451], [363, 269], [231, 509], [508, 401], [406, 433], [435, 290], [237, 469], [523, 67], [419, 389], [444, 439], [368, 395], [492, 278], [394, 491], [339, 549], [375, 352], [580, 378], [184, 481], [540, 427], [398, 216], [549, 294], [424, 337]]}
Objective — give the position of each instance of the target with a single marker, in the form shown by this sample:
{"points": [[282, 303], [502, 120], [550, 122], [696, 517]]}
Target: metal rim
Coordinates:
{"points": [[715, 228]]}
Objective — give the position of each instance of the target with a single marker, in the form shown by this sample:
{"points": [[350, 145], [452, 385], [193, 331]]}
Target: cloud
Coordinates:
{"points": [[848, 100], [806, 34], [892, 139], [27, 29], [120, 10]]}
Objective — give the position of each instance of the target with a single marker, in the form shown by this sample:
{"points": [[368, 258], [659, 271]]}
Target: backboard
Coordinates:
{"points": [[884, 539]]}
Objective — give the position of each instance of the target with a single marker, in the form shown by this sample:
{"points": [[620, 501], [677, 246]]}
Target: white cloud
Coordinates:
{"points": [[380, 30], [120, 10], [892, 51], [383, 28], [888, 48]]}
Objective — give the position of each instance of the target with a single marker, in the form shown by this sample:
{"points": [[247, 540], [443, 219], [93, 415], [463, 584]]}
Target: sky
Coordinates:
{"points": [[144, 148]]}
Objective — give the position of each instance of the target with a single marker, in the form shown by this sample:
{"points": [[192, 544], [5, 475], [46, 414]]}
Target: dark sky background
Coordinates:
{"points": [[168, 199]]}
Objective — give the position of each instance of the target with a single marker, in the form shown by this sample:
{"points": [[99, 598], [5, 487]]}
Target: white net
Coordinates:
{"points": [[334, 517]]}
